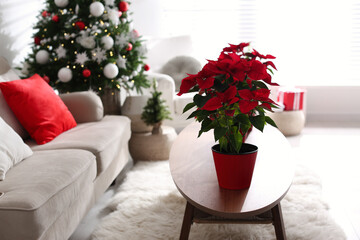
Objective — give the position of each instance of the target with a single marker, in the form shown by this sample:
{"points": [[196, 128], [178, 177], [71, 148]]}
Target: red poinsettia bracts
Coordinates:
{"points": [[250, 99], [236, 48], [231, 99], [227, 97], [232, 62]]}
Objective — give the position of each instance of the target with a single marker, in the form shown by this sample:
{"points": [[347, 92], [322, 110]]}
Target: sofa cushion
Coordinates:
{"points": [[5, 112], [102, 138], [85, 106], [12, 148], [35, 104], [37, 191]]}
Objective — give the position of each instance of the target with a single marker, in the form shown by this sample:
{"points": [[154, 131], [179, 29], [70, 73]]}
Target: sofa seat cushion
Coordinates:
{"points": [[103, 138], [40, 188]]}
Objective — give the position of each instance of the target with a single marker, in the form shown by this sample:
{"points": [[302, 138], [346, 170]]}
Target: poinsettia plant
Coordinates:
{"points": [[232, 95]]}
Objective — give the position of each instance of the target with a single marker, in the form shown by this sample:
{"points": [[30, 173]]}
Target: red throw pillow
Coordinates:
{"points": [[37, 107]]}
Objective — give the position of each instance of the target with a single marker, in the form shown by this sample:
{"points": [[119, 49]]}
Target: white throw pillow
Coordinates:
{"points": [[12, 148], [9, 76], [5, 112]]}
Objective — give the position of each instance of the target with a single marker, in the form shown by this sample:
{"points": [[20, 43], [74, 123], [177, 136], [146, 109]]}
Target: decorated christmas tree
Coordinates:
{"points": [[155, 111], [86, 44]]}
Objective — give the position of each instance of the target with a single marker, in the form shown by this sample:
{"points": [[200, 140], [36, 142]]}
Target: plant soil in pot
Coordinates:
{"points": [[234, 171]]}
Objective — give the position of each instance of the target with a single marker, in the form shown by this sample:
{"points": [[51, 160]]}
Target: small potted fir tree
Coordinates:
{"points": [[155, 145], [155, 111]]}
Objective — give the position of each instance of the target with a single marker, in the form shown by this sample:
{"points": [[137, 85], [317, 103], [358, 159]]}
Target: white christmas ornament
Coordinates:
{"points": [[42, 57], [61, 3], [98, 54], [25, 68], [65, 74], [134, 35], [142, 50], [107, 42], [113, 16], [77, 9], [97, 9], [122, 40], [81, 58], [109, 2], [111, 70], [61, 52], [121, 62], [87, 42]]}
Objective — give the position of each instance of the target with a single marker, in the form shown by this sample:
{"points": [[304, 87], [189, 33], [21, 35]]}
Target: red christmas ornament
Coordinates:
{"points": [[45, 14], [129, 47], [46, 78], [123, 6], [80, 25], [37, 40], [55, 18], [86, 73], [146, 67]]}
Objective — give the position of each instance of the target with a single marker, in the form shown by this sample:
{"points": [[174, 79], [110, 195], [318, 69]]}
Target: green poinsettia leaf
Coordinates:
{"points": [[219, 132], [196, 113], [243, 119], [201, 100], [245, 128], [206, 125], [218, 85], [223, 144], [270, 121], [260, 84], [189, 106], [258, 122], [236, 140]]}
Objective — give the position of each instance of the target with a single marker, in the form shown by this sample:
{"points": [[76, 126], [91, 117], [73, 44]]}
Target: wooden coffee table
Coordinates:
{"points": [[193, 171]]}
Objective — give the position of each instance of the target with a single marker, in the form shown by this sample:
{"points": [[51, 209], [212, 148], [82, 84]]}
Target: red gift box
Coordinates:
{"points": [[292, 98]]}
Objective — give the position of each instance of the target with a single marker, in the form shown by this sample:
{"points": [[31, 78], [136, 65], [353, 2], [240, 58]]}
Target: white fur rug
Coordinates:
{"points": [[148, 206]]}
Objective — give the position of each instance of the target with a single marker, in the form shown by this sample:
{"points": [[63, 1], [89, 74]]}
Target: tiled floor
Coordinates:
{"points": [[332, 150]]}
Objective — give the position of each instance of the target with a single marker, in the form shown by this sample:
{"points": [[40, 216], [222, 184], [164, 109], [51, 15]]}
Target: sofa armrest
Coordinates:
{"points": [[85, 106]]}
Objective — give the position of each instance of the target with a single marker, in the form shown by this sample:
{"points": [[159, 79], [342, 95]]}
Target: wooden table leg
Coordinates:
{"points": [[187, 221], [278, 222]]}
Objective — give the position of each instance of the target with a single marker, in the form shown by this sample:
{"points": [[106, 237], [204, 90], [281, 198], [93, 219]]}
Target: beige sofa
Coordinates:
{"points": [[47, 195]]}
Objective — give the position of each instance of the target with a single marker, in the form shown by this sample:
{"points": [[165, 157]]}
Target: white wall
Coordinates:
{"points": [[333, 103], [337, 103], [147, 17], [16, 27]]}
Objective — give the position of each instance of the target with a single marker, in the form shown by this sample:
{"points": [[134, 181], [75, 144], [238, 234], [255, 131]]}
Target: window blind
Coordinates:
{"points": [[315, 42]]}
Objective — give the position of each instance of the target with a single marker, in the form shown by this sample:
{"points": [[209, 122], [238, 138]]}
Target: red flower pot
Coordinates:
{"points": [[234, 171]]}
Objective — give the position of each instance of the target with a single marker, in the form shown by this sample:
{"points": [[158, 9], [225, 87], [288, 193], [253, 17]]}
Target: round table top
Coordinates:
{"points": [[193, 171]]}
